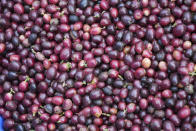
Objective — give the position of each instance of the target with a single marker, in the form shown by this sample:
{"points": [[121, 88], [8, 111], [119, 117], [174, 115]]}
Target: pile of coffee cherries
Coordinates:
{"points": [[98, 65]]}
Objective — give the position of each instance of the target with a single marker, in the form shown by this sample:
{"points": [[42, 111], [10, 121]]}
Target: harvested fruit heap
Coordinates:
{"points": [[98, 65]]}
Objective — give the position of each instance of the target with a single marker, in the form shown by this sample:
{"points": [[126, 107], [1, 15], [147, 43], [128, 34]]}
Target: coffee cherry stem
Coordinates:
{"points": [[11, 91], [105, 114], [125, 111], [105, 129], [64, 84], [125, 85], [33, 51], [103, 12], [84, 82], [62, 62], [174, 24], [65, 37], [32, 8], [120, 77], [26, 27], [27, 79], [68, 65], [62, 114], [39, 113], [34, 114], [96, 16], [192, 73]]}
